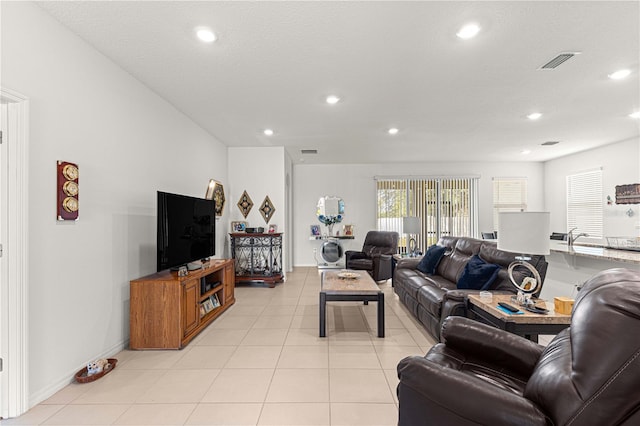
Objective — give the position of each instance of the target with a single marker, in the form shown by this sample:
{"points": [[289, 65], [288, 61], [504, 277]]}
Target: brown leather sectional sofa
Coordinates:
{"points": [[432, 298]]}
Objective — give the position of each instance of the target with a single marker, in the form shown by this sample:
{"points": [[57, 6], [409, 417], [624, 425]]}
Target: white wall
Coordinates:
{"points": [[620, 164], [260, 172], [356, 186], [128, 143]]}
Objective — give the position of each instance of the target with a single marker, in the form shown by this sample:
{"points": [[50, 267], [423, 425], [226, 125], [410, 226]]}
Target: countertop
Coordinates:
{"points": [[596, 252]]}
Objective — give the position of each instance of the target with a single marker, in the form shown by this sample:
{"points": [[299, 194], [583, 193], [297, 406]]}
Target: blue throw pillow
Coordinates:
{"points": [[430, 260], [478, 274]]}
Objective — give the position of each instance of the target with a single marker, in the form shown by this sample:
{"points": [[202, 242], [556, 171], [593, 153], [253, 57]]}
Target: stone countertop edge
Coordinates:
{"points": [[596, 252]]}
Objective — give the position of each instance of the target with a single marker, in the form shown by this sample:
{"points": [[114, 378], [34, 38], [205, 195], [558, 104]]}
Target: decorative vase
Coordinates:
{"points": [[330, 229]]}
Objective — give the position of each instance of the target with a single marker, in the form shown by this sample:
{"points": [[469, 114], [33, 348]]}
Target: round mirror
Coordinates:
{"points": [[330, 210]]}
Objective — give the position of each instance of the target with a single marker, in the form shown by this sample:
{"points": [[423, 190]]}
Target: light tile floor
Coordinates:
{"points": [[260, 363]]}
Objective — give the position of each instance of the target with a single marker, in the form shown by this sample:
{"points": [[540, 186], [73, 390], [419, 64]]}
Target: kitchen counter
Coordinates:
{"points": [[595, 252]]}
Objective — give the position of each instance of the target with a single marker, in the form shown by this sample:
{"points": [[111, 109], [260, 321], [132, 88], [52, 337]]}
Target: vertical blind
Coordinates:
{"points": [[445, 206], [585, 203], [509, 195]]}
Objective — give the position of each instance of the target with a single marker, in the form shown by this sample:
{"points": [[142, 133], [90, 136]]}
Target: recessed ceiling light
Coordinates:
{"points": [[268, 132], [620, 74], [468, 31], [393, 131], [206, 35], [635, 114], [534, 116], [525, 151], [333, 99]]}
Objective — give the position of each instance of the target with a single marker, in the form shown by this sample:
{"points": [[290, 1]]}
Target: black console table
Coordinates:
{"points": [[258, 257]]}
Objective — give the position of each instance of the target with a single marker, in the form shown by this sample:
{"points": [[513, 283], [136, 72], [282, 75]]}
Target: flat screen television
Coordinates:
{"points": [[186, 230]]}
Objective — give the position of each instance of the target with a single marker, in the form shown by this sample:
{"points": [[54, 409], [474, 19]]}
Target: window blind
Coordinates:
{"points": [[445, 206], [509, 195], [585, 203]]}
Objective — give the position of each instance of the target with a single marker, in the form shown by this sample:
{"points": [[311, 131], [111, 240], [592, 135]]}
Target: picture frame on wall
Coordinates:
{"points": [[315, 230], [628, 194]]}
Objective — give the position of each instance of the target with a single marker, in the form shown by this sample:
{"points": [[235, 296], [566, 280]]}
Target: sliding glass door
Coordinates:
{"points": [[445, 206]]}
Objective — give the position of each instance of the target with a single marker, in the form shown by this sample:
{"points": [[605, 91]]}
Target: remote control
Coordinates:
{"points": [[508, 307], [537, 310]]}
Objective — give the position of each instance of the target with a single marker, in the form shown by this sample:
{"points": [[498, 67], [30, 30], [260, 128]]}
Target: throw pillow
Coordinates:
{"points": [[478, 274], [430, 260]]}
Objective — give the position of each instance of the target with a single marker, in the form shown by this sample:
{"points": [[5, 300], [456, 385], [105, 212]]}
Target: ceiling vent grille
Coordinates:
{"points": [[558, 60], [309, 151], [549, 143]]}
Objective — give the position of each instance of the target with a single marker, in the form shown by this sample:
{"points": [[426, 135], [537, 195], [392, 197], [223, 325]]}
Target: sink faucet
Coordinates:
{"points": [[571, 238]]}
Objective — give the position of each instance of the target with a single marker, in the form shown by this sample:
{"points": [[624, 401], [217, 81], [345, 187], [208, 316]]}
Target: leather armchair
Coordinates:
{"points": [[376, 256], [587, 375]]}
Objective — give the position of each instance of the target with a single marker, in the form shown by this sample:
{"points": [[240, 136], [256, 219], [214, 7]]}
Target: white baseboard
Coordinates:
{"points": [[68, 377]]}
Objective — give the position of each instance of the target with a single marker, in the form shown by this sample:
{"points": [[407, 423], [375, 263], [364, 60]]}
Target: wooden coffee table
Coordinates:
{"points": [[528, 324], [360, 288]]}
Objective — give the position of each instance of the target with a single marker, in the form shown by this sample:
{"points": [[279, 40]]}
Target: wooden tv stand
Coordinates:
{"points": [[167, 311]]}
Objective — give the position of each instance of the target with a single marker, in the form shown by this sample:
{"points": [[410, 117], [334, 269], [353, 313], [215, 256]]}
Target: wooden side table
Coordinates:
{"points": [[528, 324]]}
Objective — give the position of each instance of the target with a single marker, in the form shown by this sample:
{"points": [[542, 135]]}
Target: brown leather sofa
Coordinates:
{"points": [[376, 256], [588, 375], [432, 298]]}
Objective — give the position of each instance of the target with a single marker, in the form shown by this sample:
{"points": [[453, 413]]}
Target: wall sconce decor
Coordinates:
{"points": [[68, 189], [215, 191], [245, 204], [267, 209]]}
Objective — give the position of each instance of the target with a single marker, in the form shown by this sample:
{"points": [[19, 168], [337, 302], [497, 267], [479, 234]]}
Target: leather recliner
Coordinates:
{"points": [[587, 375], [376, 256]]}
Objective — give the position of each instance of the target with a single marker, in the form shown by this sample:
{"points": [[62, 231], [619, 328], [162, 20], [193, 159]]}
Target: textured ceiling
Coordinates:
{"points": [[394, 64]]}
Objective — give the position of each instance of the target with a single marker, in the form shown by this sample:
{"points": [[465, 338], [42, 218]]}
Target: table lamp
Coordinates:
{"points": [[526, 233], [411, 226]]}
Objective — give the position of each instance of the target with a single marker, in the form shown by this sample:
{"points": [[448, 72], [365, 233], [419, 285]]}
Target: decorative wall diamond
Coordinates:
{"points": [[215, 191], [267, 209], [245, 204]]}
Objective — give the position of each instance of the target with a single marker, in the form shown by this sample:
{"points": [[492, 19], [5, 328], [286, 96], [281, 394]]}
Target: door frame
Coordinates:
{"points": [[14, 333]]}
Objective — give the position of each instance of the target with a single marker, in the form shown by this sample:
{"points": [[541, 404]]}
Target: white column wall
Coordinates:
{"points": [[260, 172]]}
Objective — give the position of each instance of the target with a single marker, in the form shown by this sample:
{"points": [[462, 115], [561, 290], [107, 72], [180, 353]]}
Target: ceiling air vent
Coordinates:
{"points": [[309, 151], [558, 60], [549, 143]]}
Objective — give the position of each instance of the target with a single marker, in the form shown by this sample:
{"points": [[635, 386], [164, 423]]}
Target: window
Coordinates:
{"points": [[585, 203], [509, 195], [445, 206]]}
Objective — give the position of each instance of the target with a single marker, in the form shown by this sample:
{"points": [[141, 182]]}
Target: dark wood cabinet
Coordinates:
{"points": [[258, 257]]}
